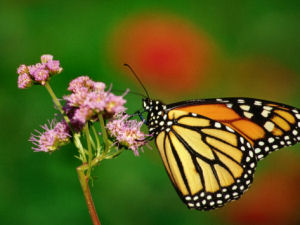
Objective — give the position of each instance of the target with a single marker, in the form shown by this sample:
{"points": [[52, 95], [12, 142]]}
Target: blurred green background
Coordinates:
{"points": [[181, 50]]}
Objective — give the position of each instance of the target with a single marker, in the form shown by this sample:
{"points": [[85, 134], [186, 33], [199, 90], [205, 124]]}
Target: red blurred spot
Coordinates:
{"points": [[167, 53], [273, 199]]}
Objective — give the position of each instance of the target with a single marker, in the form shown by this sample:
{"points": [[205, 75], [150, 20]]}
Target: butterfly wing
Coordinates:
{"points": [[268, 126], [208, 162]]}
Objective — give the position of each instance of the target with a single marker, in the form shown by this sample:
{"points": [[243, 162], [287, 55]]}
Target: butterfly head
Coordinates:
{"points": [[157, 115]]}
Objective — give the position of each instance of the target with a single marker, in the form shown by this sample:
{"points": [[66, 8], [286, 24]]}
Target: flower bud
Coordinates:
{"points": [[24, 81], [22, 69], [46, 58], [53, 67]]}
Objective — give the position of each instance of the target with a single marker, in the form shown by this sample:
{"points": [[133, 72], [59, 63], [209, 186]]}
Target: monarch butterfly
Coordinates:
{"points": [[210, 147]]}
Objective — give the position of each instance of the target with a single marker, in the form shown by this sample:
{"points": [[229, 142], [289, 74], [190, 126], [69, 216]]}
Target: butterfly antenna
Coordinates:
{"points": [[130, 92], [136, 76]]}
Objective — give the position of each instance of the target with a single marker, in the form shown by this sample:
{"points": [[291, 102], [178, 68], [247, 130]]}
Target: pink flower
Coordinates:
{"points": [[55, 136], [22, 69], [96, 101], [47, 57], [24, 81], [53, 67], [81, 82], [115, 104], [77, 99], [33, 68], [99, 86], [126, 132], [40, 72], [41, 75], [82, 115], [88, 99]]}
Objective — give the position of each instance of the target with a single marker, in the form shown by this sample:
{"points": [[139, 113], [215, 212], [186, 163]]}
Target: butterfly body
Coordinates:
{"points": [[210, 147]]}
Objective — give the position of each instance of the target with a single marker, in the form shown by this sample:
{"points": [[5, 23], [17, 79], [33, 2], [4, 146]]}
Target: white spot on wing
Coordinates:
{"points": [[268, 107], [248, 115], [265, 113], [251, 154], [271, 140], [188, 198], [257, 102], [257, 150], [191, 204], [169, 123], [242, 140], [217, 125], [260, 156], [269, 126], [229, 129], [245, 107]]}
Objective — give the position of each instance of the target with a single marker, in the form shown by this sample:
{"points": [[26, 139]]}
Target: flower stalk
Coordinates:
{"points": [[90, 154], [87, 105], [57, 103], [104, 133], [84, 182]]}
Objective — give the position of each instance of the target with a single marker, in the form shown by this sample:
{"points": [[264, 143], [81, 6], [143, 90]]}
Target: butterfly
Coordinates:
{"points": [[210, 147]]}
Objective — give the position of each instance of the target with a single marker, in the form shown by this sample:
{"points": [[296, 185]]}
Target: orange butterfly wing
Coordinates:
{"points": [[210, 147], [268, 126]]}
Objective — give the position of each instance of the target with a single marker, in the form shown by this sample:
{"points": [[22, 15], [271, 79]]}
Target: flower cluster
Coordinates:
{"points": [[55, 136], [39, 73], [89, 98], [87, 102], [126, 132]]}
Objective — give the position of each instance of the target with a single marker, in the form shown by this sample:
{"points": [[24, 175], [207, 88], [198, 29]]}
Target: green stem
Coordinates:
{"points": [[104, 134], [87, 194], [118, 152], [56, 102], [98, 146], [90, 154], [95, 162], [76, 136], [79, 146]]}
